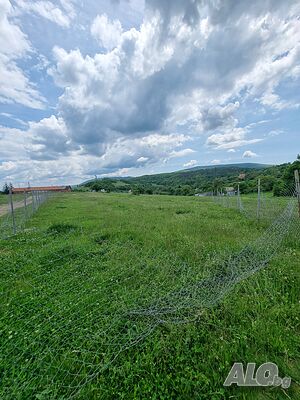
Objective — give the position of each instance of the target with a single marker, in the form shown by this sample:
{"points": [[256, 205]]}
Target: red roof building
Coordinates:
{"points": [[42, 189]]}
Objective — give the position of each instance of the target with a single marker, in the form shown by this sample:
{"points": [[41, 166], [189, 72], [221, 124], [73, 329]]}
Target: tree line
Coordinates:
{"points": [[204, 180]]}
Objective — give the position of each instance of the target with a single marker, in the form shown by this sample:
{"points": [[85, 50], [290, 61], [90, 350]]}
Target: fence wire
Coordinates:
{"points": [[64, 345], [17, 208]]}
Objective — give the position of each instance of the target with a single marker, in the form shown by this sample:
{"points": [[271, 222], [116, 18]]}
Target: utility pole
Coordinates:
{"points": [[297, 188]]}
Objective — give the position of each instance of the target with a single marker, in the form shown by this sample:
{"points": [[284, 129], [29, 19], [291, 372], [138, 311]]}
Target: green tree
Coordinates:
{"points": [[289, 174], [187, 190], [5, 189], [267, 183], [217, 184], [138, 189], [96, 187], [279, 188]]}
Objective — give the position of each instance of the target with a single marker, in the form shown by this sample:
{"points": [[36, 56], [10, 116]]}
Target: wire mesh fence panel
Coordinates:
{"points": [[17, 208], [263, 206]]}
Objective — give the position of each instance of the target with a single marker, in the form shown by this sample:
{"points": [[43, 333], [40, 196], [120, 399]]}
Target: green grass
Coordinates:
{"points": [[4, 199], [88, 257]]}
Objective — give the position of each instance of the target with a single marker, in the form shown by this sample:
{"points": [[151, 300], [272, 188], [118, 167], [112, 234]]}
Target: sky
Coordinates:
{"points": [[133, 87]]}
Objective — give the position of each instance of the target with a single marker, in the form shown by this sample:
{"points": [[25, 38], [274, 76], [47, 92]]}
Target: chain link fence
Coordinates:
{"points": [[18, 207]]}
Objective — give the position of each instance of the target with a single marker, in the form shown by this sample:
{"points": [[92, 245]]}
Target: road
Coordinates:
{"points": [[5, 208]]}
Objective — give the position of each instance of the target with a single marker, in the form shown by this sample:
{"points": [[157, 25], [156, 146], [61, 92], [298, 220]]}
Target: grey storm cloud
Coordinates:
{"points": [[190, 11], [128, 153]]}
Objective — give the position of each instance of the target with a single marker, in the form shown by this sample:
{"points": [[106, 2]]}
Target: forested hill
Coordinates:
{"points": [[226, 166], [200, 175], [202, 179]]}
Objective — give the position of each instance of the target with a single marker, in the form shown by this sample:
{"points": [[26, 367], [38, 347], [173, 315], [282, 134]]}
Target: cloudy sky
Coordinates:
{"points": [[128, 87]]}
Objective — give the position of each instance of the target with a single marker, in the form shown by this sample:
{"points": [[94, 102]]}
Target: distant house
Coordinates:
{"points": [[242, 176], [204, 194], [42, 189], [230, 191]]}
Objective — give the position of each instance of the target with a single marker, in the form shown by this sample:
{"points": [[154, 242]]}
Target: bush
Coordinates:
{"points": [[279, 188]]}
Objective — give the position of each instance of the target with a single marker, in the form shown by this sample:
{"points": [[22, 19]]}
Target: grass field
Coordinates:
{"points": [[4, 199], [86, 258]]}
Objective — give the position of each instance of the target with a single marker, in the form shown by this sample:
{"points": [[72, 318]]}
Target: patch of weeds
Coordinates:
{"points": [[58, 229], [182, 212], [102, 238]]}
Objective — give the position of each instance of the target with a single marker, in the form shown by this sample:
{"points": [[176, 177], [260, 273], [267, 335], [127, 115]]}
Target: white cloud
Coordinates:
{"points": [[218, 139], [13, 42], [64, 170], [231, 151], [275, 132], [13, 142], [181, 153], [48, 138], [191, 163], [48, 10], [230, 139], [15, 86], [216, 162], [249, 154], [142, 159], [107, 33]]}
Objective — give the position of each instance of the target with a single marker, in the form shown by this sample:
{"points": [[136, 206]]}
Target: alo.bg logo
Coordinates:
{"points": [[266, 375]]}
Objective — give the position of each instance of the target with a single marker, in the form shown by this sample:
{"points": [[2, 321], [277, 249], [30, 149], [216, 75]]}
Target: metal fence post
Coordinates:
{"points": [[25, 205], [239, 198], [12, 209], [32, 199], [297, 188]]}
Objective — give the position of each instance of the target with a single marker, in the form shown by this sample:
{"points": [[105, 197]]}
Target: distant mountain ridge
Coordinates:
{"points": [[239, 166]]}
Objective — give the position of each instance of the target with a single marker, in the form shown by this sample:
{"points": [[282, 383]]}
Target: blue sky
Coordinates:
{"points": [[118, 88]]}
